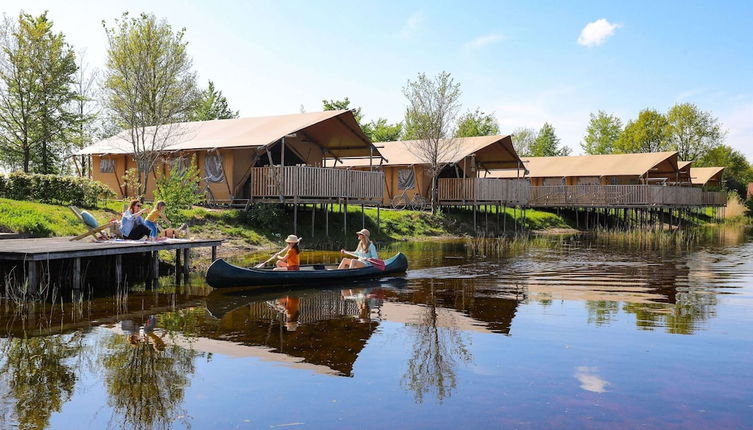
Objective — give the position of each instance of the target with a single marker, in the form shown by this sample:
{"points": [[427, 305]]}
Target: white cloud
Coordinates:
{"points": [[595, 33], [482, 41], [412, 25], [589, 380], [737, 121]]}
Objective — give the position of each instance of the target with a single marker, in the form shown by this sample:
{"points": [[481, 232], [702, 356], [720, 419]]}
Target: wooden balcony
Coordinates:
{"points": [[623, 196], [510, 192], [303, 184]]}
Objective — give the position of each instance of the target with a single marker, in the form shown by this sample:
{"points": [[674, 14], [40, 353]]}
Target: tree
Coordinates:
{"points": [[692, 132], [86, 111], [149, 86], [737, 171], [212, 104], [477, 123], [601, 134], [343, 105], [547, 144], [523, 140], [179, 188], [430, 116], [381, 131], [646, 134], [36, 74]]}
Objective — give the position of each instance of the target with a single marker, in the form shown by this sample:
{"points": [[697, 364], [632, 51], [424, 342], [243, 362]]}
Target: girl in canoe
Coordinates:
{"points": [[365, 251], [292, 259]]}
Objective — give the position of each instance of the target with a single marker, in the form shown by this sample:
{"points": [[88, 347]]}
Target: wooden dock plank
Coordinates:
{"points": [[61, 248]]}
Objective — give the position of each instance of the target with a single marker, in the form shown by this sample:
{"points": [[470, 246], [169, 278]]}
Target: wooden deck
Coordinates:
{"points": [[302, 184], [514, 192], [31, 253]]}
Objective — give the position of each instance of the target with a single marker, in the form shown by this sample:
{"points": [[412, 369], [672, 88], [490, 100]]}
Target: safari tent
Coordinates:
{"points": [[707, 176], [280, 158], [609, 169], [406, 174]]}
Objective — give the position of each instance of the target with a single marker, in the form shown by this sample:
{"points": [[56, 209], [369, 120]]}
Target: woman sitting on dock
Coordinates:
{"points": [[292, 259], [131, 224], [365, 251]]}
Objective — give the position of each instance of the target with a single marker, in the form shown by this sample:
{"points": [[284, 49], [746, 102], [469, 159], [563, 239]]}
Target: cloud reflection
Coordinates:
{"points": [[589, 380]]}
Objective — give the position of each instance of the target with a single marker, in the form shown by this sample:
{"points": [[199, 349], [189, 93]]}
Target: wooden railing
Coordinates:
{"points": [[483, 190], [622, 195], [310, 183]]}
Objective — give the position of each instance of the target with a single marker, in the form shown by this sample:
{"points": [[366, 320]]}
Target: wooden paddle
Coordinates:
{"points": [[264, 263]]}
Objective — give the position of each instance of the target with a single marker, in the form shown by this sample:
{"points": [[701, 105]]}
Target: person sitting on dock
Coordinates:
{"points": [[131, 224], [365, 251], [292, 259], [151, 219]]}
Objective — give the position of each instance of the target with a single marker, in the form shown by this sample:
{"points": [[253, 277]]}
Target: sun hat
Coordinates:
{"points": [[291, 325], [364, 232], [293, 239]]}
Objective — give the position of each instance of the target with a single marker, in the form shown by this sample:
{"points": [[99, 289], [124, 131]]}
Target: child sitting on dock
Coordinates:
{"points": [[151, 219], [292, 259]]}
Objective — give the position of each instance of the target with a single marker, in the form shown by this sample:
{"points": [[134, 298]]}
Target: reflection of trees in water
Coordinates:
{"points": [[602, 312], [436, 352], [38, 377], [146, 386], [683, 317]]}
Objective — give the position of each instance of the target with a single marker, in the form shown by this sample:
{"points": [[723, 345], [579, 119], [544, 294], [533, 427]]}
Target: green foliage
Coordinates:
{"points": [[737, 173], [132, 182], [148, 83], [37, 73], [343, 105], [43, 220], [523, 140], [547, 144], [601, 134], [692, 132], [381, 131], [212, 104], [649, 133], [477, 123], [179, 188], [64, 190]]}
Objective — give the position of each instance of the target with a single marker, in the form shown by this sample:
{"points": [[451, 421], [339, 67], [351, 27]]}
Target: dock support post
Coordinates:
{"points": [[178, 267], [118, 269], [155, 265], [326, 219], [76, 273], [295, 218], [504, 219], [313, 218], [345, 218], [32, 277], [379, 224], [363, 217], [475, 229], [214, 253], [186, 263]]}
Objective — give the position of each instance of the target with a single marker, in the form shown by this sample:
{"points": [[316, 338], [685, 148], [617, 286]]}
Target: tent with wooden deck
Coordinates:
{"points": [[706, 176], [280, 158], [406, 174]]}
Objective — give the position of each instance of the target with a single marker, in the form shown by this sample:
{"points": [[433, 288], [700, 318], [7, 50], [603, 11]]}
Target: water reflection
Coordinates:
{"points": [[424, 339]]}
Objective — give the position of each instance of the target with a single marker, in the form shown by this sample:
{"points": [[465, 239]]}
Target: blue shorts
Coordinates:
{"points": [[153, 227]]}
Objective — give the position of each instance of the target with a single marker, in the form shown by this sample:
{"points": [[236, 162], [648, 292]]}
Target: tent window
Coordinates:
{"points": [[213, 168], [406, 179], [106, 165]]}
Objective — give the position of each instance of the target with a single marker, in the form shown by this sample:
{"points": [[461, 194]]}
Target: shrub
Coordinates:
{"points": [[62, 190], [179, 188]]}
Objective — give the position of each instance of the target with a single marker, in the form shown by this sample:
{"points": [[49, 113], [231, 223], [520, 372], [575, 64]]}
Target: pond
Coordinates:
{"points": [[563, 332]]}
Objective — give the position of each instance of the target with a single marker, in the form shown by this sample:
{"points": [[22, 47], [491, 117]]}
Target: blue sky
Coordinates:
{"points": [[520, 60]]}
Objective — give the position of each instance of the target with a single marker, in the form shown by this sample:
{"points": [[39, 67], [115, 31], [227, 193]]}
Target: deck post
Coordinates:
{"points": [[326, 219], [76, 273], [313, 216], [295, 218], [178, 267], [345, 217], [504, 219], [379, 225], [32, 277], [475, 229], [214, 253], [363, 217], [118, 269], [155, 265], [486, 219], [186, 263]]}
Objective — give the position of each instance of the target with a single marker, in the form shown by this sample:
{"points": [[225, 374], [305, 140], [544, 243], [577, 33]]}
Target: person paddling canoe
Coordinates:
{"points": [[365, 251], [292, 259]]}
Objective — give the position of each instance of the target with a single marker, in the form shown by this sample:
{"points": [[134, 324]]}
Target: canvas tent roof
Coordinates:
{"points": [[492, 152], [702, 175], [592, 165], [337, 131]]}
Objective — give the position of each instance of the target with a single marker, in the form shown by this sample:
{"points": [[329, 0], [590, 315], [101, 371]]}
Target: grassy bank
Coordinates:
{"points": [[269, 224]]}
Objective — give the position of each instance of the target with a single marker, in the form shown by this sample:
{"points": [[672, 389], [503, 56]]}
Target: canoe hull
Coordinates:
{"points": [[222, 274]]}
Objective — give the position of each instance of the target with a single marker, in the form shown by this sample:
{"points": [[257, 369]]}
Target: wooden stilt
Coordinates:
{"points": [[178, 268], [214, 253], [186, 264], [76, 273], [155, 265], [313, 218], [32, 277], [345, 218], [295, 218], [118, 269], [326, 219]]}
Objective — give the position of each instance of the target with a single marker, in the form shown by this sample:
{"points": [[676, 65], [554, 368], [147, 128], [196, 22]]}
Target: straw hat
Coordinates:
{"points": [[293, 239], [364, 232], [291, 325]]}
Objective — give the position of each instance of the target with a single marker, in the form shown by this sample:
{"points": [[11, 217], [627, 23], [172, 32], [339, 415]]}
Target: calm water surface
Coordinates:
{"points": [[565, 333]]}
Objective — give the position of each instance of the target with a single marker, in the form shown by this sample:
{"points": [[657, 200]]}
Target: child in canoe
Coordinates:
{"points": [[292, 259]]}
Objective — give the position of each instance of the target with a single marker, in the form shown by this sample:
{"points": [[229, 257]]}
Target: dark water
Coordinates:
{"points": [[562, 333]]}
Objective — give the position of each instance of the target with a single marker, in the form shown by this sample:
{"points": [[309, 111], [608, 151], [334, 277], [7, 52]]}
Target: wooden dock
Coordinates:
{"points": [[31, 253]]}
